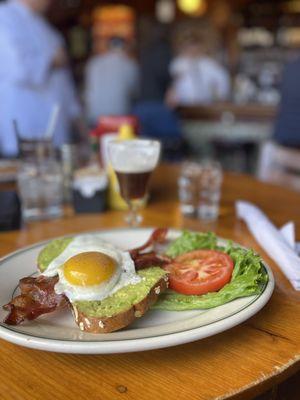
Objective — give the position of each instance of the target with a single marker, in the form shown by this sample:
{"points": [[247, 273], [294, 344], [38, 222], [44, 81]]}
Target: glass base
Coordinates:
{"points": [[188, 210], [37, 214], [208, 212], [133, 219]]}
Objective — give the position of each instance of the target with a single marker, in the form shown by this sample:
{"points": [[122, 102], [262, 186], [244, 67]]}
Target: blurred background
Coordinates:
{"points": [[206, 77]]}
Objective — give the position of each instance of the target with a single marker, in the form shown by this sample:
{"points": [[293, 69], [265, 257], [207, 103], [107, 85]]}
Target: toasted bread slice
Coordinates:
{"points": [[124, 306]]}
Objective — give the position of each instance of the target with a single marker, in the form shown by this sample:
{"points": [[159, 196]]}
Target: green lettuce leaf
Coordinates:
{"points": [[189, 241], [249, 275]]}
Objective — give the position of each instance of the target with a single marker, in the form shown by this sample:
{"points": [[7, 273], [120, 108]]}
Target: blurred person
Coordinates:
{"points": [[287, 126], [158, 121], [34, 75], [111, 82], [197, 77], [155, 58], [155, 118]]}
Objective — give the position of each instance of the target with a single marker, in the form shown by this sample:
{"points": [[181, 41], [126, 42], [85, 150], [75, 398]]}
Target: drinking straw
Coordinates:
{"points": [[52, 122], [16, 129]]}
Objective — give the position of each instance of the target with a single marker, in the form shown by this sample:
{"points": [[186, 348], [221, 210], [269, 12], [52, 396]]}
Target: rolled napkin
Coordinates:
{"points": [[288, 232], [279, 244]]}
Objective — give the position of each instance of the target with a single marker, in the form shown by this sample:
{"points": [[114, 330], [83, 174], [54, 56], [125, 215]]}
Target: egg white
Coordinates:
{"points": [[124, 274], [81, 244]]}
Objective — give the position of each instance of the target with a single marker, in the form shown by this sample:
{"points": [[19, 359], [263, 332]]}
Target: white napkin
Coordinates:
{"points": [[278, 243]]}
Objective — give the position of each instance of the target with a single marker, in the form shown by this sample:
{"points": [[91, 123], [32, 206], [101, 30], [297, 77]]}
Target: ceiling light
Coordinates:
{"points": [[192, 7]]}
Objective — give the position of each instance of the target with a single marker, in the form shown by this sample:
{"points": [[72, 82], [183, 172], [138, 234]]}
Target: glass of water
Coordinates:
{"points": [[199, 189], [40, 186], [188, 187], [209, 190]]}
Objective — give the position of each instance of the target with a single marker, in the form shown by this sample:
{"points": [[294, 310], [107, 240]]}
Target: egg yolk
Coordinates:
{"points": [[89, 268]]}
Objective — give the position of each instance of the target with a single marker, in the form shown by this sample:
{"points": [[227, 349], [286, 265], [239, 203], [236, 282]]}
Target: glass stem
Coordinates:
{"points": [[133, 218]]}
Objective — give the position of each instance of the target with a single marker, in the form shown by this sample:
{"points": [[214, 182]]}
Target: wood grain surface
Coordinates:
{"points": [[238, 364]]}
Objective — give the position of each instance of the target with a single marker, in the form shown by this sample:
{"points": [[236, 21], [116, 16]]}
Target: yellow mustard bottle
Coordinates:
{"points": [[115, 200]]}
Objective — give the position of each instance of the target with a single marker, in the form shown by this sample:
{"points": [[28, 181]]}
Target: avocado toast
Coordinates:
{"points": [[123, 307], [119, 309]]}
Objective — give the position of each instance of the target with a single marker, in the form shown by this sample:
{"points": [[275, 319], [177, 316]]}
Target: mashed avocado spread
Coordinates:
{"points": [[51, 251], [125, 298]]}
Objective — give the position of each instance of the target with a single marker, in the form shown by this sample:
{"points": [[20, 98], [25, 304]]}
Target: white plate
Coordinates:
{"points": [[157, 329]]}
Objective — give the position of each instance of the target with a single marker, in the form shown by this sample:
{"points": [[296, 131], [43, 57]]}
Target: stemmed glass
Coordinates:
{"points": [[133, 162]]}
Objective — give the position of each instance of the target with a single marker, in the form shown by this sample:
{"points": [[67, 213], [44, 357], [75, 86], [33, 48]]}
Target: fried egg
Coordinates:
{"points": [[91, 269]]}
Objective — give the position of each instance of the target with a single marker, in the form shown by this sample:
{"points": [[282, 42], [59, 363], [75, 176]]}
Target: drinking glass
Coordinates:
{"points": [[40, 187], [199, 189], [32, 150], [188, 187], [133, 161], [209, 187]]}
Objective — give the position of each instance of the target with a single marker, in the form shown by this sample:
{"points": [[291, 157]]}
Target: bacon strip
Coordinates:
{"points": [[158, 236], [37, 297], [145, 259], [151, 259]]}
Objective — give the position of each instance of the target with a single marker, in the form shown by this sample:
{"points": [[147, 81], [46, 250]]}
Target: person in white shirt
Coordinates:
{"points": [[34, 76], [197, 78], [111, 82]]}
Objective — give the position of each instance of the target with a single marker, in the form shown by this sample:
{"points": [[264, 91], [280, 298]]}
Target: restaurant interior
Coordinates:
{"points": [[252, 39], [134, 122]]}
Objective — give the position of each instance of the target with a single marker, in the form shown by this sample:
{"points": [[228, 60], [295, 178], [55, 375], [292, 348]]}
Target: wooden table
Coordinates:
{"points": [[238, 364]]}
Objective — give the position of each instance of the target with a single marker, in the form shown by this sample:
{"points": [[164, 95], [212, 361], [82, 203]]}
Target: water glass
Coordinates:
{"points": [[199, 189], [40, 188], [209, 190], [188, 188], [32, 150]]}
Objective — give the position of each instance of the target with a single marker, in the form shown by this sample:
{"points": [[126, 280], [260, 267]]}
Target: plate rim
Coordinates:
{"points": [[137, 344]]}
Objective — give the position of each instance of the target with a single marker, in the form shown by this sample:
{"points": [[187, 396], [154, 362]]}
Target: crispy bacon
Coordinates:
{"points": [[151, 259], [158, 236], [145, 256], [37, 297]]}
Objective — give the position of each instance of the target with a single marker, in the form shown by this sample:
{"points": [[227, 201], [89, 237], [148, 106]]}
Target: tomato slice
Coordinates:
{"points": [[200, 271]]}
